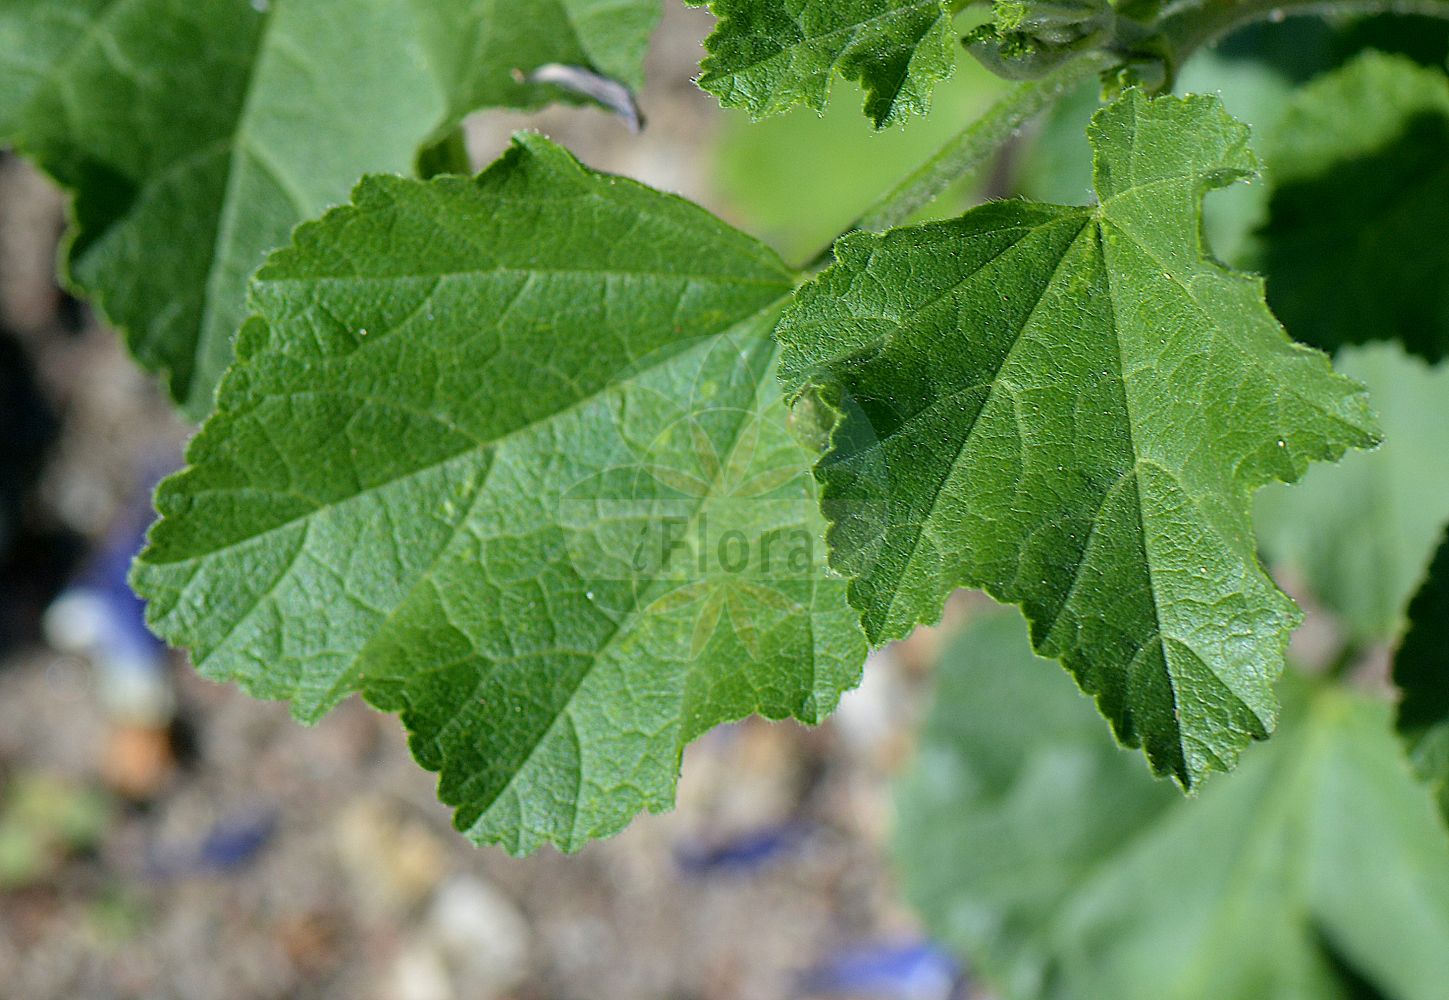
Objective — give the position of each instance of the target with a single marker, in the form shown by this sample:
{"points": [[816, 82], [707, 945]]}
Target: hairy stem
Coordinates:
{"points": [[974, 144], [1189, 27]]}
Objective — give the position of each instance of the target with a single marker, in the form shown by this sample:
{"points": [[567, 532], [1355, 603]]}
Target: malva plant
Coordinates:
{"points": [[566, 471]]}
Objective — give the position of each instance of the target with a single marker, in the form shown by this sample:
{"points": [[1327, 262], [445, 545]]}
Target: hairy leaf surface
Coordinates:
{"points": [[196, 133], [1318, 870], [1360, 170], [507, 455], [1069, 407], [766, 56], [1361, 534], [1421, 670]]}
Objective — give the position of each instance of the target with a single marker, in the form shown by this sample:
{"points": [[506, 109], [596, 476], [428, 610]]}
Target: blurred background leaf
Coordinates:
{"points": [[1319, 869], [1421, 670], [1359, 535]]}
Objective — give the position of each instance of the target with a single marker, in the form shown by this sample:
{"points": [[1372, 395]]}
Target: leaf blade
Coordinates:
{"points": [[1021, 383], [179, 200], [766, 59], [1357, 167], [1360, 535], [434, 467]]}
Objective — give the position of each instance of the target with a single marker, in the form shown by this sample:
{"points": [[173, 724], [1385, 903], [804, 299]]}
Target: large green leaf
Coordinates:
{"points": [[197, 133], [1360, 170], [767, 55], [508, 456], [1421, 670], [1070, 407], [1361, 534], [1318, 871]]}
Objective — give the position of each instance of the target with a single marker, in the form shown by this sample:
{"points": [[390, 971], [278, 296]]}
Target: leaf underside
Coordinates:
{"points": [[766, 56], [1069, 407], [1060, 871], [178, 198], [507, 456]]}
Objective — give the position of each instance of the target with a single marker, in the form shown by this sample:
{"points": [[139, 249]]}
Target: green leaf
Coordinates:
{"points": [[1317, 871], [766, 56], [1360, 168], [178, 199], [1069, 407], [1058, 166], [507, 455], [1360, 535], [1421, 670], [34, 36]]}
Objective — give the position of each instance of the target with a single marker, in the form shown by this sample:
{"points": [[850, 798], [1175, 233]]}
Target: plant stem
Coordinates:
{"points": [[1185, 30], [974, 144]]}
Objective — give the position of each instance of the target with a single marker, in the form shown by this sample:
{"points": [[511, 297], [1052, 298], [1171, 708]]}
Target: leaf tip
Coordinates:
{"points": [[1139, 139]]}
